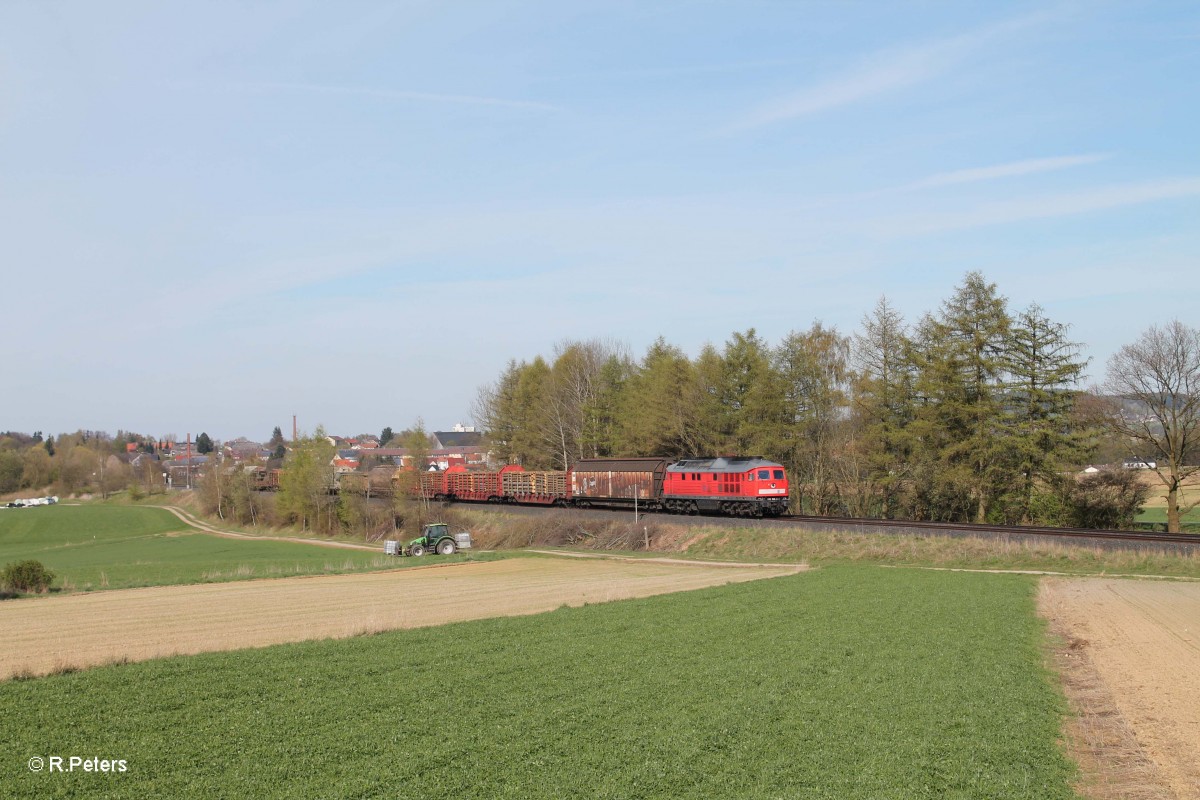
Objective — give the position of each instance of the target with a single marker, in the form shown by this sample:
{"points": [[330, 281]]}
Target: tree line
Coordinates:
{"points": [[74, 463], [974, 412], [305, 497]]}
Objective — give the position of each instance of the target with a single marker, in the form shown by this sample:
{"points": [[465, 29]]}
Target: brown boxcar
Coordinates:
{"points": [[617, 481]]}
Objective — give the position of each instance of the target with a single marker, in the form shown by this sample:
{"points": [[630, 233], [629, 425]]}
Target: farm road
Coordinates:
{"points": [[192, 521], [1132, 671], [45, 634]]}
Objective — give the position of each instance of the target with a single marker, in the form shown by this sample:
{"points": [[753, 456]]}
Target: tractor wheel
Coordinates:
{"points": [[417, 550], [446, 547]]}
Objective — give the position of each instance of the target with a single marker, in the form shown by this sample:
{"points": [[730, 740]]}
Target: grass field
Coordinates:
{"points": [[1155, 510], [100, 546], [1158, 516], [847, 682]]}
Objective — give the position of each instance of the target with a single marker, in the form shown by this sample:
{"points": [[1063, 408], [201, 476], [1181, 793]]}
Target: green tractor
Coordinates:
{"points": [[436, 538]]}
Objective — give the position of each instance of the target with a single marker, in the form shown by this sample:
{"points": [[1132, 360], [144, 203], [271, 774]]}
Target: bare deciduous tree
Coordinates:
{"points": [[1160, 374]]}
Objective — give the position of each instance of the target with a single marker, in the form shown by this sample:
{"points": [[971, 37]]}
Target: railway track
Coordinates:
{"points": [[1179, 543], [1078, 533]]}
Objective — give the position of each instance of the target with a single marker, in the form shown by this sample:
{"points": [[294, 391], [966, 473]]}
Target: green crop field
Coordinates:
{"points": [[1158, 516], [846, 682], [101, 546]]}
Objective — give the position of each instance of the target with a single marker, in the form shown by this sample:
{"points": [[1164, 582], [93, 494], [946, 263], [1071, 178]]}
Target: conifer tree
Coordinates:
{"points": [[1044, 367], [960, 421], [884, 402], [658, 408]]}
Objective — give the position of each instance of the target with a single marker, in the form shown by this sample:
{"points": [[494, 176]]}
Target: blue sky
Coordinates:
{"points": [[215, 215]]}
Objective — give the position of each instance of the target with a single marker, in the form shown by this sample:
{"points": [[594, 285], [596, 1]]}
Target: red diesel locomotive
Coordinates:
{"points": [[750, 487]]}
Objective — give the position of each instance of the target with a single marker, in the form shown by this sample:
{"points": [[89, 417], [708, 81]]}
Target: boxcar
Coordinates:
{"points": [[617, 481]]}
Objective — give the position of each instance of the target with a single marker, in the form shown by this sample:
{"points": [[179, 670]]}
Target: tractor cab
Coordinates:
{"points": [[435, 531]]}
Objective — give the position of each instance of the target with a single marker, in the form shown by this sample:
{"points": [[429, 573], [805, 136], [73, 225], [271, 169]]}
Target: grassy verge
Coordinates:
{"points": [[843, 683], [934, 551], [727, 543], [99, 546]]}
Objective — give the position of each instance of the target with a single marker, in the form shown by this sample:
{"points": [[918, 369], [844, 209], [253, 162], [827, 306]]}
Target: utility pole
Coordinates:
{"points": [[189, 461], [295, 432]]}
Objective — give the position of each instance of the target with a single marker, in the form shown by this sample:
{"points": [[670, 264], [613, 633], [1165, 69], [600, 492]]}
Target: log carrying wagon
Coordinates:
{"points": [[464, 484], [542, 488]]}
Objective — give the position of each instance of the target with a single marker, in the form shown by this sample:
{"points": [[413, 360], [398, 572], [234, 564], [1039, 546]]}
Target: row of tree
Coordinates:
{"points": [[306, 498], [73, 462], [973, 413]]}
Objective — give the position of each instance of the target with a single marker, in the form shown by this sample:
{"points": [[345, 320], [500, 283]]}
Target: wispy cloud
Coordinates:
{"points": [[880, 73], [1046, 207], [1013, 168], [674, 71], [400, 94]]}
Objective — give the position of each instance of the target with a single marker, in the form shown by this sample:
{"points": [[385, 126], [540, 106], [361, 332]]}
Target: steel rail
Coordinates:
{"points": [[968, 527]]}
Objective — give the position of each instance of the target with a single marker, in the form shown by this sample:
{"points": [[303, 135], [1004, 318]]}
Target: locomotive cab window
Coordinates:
{"points": [[764, 474], [749, 476], [778, 474]]}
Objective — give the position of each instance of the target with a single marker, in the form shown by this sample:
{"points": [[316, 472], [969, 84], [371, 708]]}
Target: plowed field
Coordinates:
{"points": [[1132, 670], [46, 634]]}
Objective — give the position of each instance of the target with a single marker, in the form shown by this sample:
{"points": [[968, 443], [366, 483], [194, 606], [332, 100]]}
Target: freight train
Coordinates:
{"points": [[731, 486], [748, 487]]}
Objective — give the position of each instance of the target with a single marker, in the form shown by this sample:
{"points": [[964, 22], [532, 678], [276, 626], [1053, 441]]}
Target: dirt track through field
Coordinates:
{"points": [[41, 635], [1131, 667], [191, 520]]}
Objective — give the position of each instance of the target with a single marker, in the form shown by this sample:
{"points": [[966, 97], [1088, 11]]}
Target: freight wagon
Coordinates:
{"points": [[617, 482]]}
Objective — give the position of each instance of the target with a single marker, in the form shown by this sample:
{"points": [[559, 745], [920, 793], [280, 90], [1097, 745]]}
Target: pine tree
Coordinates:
{"points": [[496, 411], [884, 402], [1044, 367], [535, 442], [751, 397], [657, 408], [960, 419]]}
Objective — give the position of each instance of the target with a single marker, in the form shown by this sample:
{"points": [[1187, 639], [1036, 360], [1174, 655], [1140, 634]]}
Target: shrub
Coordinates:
{"points": [[1109, 499], [26, 576]]}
